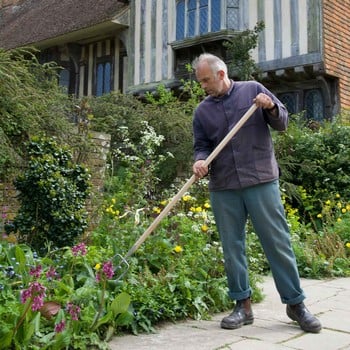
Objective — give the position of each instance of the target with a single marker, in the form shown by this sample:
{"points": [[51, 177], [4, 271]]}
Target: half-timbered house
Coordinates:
{"points": [[132, 46]]}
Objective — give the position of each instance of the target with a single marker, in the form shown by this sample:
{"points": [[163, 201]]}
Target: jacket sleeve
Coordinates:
{"points": [[279, 122], [201, 144]]}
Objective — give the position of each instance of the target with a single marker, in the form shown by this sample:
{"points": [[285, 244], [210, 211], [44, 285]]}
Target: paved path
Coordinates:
{"points": [[272, 329]]}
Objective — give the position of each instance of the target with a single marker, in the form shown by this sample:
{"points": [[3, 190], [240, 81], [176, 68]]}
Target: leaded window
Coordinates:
{"points": [[64, 79], [289, 99], [103, 78], [314, 105], [198, 17]]}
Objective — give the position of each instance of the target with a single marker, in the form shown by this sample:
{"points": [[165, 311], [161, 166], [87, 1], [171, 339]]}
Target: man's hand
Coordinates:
{"points": [[264, 101], [200, 169]]}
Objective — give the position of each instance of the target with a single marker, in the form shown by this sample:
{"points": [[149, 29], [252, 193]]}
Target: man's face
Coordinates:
{"points": [[211, 83]]}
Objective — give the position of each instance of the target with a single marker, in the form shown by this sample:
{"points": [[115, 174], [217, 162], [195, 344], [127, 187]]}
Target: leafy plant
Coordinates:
{"points": [[314, 163], [239, 49], [52, 194], [67, 298], [29, 96]]}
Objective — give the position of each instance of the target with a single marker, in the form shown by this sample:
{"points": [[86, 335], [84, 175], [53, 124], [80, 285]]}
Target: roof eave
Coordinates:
{"points": [[83, 35]]}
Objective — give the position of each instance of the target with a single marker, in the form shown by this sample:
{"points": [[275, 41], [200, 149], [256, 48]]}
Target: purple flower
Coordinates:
{"points": [[36, 292], [51, 273], [38, 302], [60, 326], [36, 271], [74, 311], [107, 270], [79, 248]]}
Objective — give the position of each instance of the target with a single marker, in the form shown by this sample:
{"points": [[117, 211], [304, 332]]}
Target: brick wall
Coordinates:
{"points": [[336, 38]]}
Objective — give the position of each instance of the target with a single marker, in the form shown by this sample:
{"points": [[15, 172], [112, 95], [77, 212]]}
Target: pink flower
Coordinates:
{"points": [[36, 292], [107, 271], [35, 271], [60, 326], [51, 274], [74, 311], [79, 248]]}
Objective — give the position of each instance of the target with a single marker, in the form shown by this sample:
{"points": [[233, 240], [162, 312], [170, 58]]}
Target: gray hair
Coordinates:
{"points": [[215, 63]]}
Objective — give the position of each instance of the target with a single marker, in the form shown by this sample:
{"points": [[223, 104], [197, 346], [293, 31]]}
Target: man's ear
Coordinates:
{"points": [[221, 74]]}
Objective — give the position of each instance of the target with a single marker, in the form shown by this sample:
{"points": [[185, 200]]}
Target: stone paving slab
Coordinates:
{"points": [[272, 329]]}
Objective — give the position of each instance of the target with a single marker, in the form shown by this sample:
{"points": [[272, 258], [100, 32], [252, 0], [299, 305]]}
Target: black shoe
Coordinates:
{"points": [[241, 315], [307, 321]]}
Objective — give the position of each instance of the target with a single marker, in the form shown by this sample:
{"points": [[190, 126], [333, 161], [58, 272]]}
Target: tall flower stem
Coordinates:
{"points": [[22, 317], [100, 309]]}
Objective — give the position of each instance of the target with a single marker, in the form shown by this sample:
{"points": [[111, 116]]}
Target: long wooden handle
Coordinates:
{"points": [[192, 179]]}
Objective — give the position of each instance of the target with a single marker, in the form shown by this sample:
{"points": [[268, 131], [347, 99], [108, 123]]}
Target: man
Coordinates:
{"points": [[244, 181]]}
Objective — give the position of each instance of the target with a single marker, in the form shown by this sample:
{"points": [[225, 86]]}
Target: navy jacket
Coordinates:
{"points": [[249, 158]]}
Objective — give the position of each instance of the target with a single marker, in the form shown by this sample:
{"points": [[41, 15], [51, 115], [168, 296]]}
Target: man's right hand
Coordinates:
{"points": [[200, 169]]}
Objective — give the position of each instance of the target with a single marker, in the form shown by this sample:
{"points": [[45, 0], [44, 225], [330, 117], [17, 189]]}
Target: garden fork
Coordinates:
{"points": [[124, 265]]}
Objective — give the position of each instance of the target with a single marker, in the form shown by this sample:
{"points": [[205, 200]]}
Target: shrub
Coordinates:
{"points": [[173, 121], [315, 162], [52, 194], [29, 97]]}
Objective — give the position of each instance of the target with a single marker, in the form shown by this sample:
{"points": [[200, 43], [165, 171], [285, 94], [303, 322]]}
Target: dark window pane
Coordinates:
{"points": [[232, 14], [180, 20], [313, 104], [215, 15], [192, 4], [107, 78], [191, 18], [99, 79], [290, 101], [203, 17], [64, 79]]}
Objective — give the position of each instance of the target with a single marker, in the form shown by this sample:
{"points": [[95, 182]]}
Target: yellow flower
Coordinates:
{"points": [[339, 205], [113, 200], [198, 209], [319, 216], [186, 198], [206, 205], [338, 219], [156, 210], [193, 209], [178, 249], [347, 245], [337, 195], [97, 266], [163, 202], [343, 210], [204, 228], [348, 207], [328, 202]]}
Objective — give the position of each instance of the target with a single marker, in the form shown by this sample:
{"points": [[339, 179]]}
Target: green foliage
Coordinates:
{"points": [[314, 160], [140, 163], [29, 97], [178, 272], [239, 50], [65, 299], [161, 97], [52, 194], [173, 121]]}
